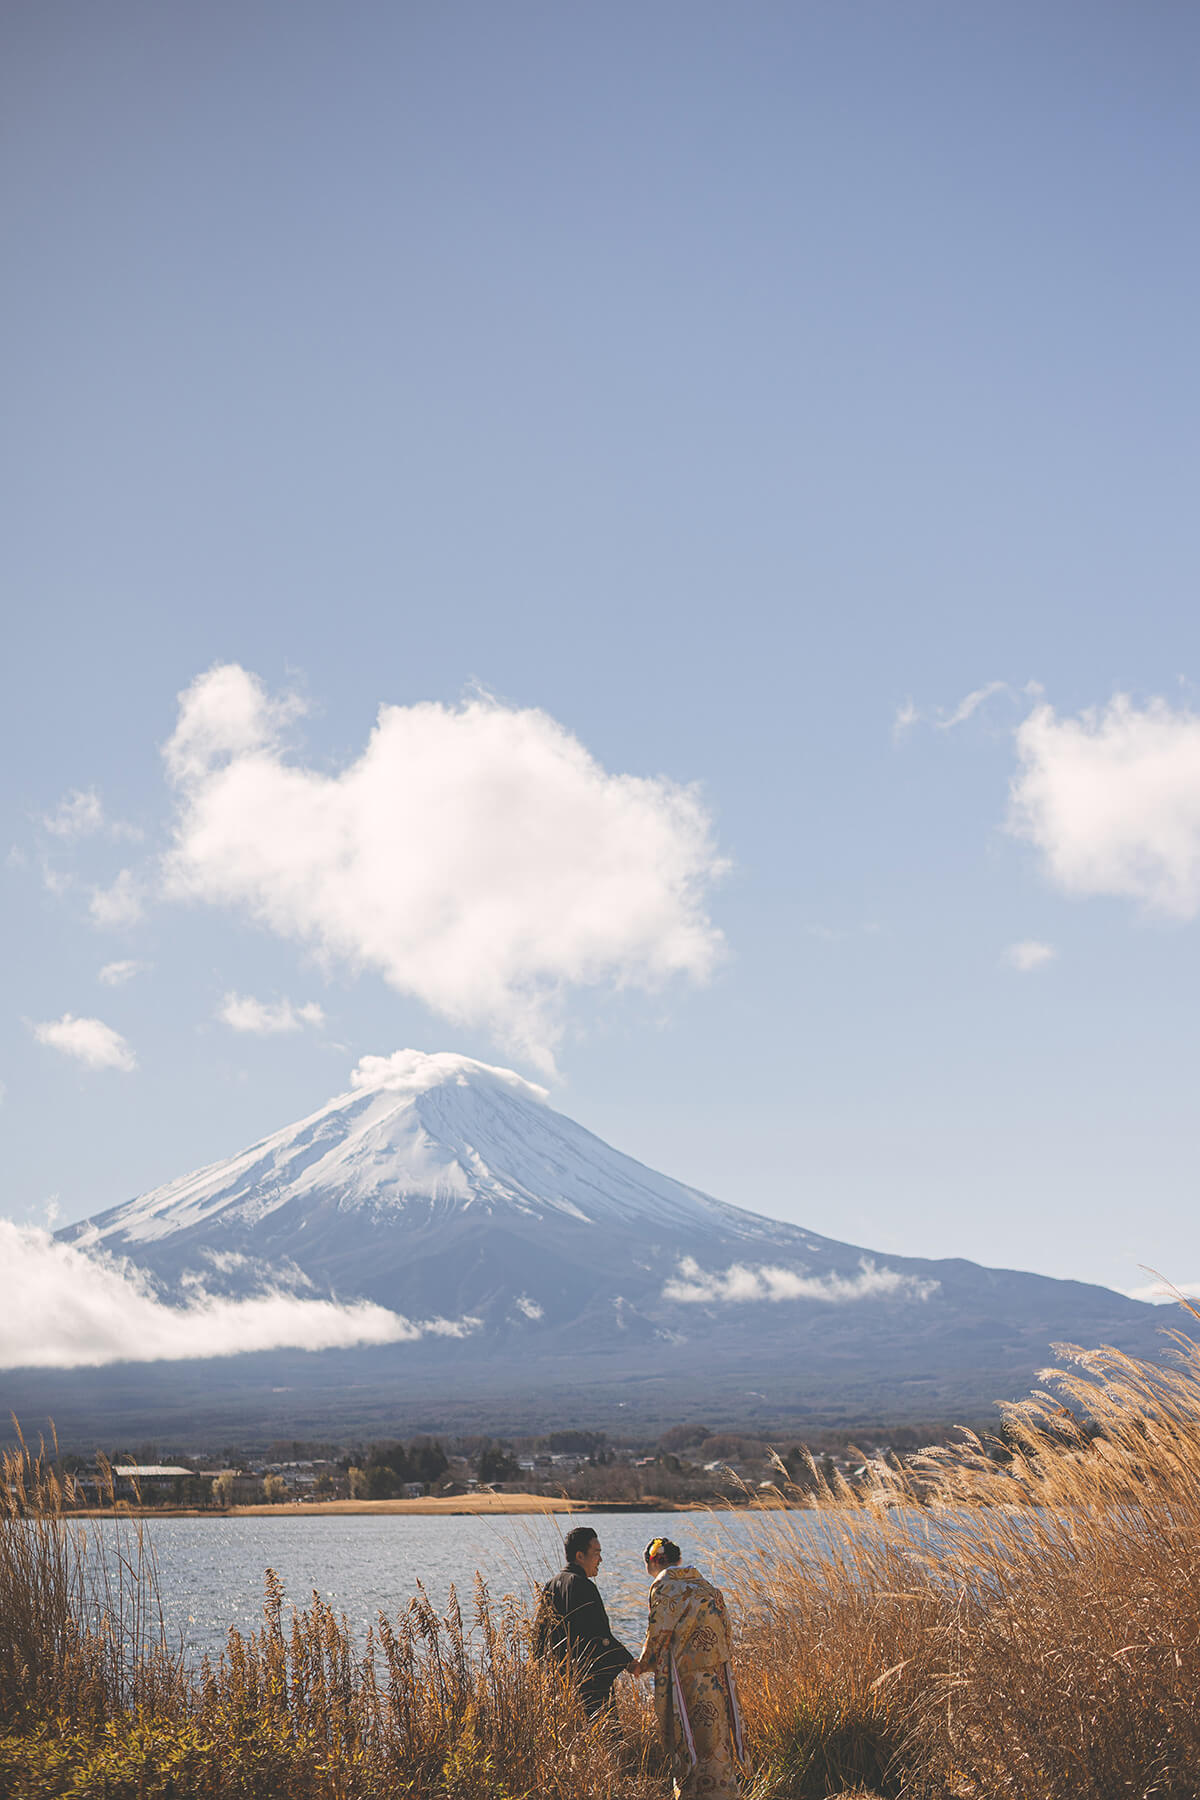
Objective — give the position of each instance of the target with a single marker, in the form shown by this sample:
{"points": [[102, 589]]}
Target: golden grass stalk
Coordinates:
{"points": [[1006, 1619]]}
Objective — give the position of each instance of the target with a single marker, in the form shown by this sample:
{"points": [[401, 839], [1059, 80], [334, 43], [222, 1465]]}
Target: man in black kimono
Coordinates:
{"points": [[573, 1624]]}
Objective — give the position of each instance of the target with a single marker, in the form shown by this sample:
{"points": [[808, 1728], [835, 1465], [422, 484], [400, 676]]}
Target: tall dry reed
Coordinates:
{"points": [[434, 1706], [1014, 1618], [81, 1630], [1009, 1620]]}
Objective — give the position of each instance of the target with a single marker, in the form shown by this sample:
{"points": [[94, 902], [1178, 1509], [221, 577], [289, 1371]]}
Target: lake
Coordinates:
{"points": [[210, 1570]]}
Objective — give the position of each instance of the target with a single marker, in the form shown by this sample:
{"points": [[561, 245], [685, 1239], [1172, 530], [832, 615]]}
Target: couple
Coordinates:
{"points": [[687, 1649]]}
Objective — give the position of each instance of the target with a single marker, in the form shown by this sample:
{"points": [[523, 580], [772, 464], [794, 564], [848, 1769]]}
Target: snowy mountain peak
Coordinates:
{"points": [[421, 1133]]}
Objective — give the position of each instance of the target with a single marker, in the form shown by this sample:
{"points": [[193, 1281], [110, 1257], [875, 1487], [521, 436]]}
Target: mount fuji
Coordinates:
{"points": [[549, 1279]]}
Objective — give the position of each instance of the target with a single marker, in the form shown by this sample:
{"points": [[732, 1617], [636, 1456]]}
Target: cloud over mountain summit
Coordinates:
{"points": [[476, 856]]}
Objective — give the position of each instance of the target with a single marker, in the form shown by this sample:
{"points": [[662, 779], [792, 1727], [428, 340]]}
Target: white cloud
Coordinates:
{"points": [[78, 814], [67, 1308], [1111, 799], [244, 1013], [529, 1308], [1160, 1292], [477, 856], [120, 904], [416, 1071], [740, 1282], [90, 1041], [1029, 954], [113, 974], [226, 712]]}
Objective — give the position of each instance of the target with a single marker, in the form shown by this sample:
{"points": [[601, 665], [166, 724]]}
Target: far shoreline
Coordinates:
{"points": [[432, 1506]]}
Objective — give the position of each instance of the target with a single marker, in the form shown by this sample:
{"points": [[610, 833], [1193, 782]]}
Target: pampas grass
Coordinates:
{"points": [[1017, 1617], [1007, 1619], [435, 1704]]}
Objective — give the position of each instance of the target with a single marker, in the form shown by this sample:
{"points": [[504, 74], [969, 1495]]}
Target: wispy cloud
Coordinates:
{"points": [[68, 1308], [1111, 800], [970, 703], [89, 1041], [476, 856], [122, 903], [114, 974], [56, 881], [242, 1012], [906, 717], [78, 814], [740, 1283], [1029, 954], [948, 718]]}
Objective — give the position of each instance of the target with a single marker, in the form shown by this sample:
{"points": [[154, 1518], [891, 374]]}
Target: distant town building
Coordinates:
{"points": [[151, 1480], [149, 1471]]}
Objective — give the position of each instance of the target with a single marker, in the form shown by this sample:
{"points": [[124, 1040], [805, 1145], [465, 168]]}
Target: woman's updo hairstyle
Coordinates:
{"points": [[662, 1548]]}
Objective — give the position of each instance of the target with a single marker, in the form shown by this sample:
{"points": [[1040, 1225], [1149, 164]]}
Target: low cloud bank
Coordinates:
{"points": [[1111, 799], [476, 856], [67, 1308], [740, 1282]]}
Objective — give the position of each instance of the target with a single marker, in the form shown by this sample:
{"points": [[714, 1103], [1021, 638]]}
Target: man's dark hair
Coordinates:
{"points": [[581, 1538]]}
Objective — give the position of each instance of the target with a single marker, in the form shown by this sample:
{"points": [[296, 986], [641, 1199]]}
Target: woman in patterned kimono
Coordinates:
{"points": [[688, 1649]]}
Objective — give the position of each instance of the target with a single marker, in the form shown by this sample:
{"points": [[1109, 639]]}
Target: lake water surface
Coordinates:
{"points": [[210, 1570]]}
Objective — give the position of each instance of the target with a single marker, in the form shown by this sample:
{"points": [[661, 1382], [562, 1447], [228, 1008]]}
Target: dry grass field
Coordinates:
{"points": [[432, 1505], [1017, 1620]]}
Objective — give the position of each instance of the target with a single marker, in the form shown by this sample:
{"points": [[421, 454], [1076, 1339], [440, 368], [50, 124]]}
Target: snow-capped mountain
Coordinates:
{"points": [[447, 1190], [422, 1134], [440, 1183]]}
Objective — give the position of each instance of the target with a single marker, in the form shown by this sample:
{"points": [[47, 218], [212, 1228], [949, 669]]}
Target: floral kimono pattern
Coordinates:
{"points": [[688, 1641]]}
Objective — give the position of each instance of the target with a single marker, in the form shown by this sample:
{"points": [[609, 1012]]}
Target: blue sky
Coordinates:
{"points": [[740, 390]]}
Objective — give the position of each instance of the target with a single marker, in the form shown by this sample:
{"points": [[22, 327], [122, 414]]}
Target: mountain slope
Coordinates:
{"points": [[450, 1191]]}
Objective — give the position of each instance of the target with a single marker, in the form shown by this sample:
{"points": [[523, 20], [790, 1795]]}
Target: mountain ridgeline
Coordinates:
{"points": [[549, 1280]]}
